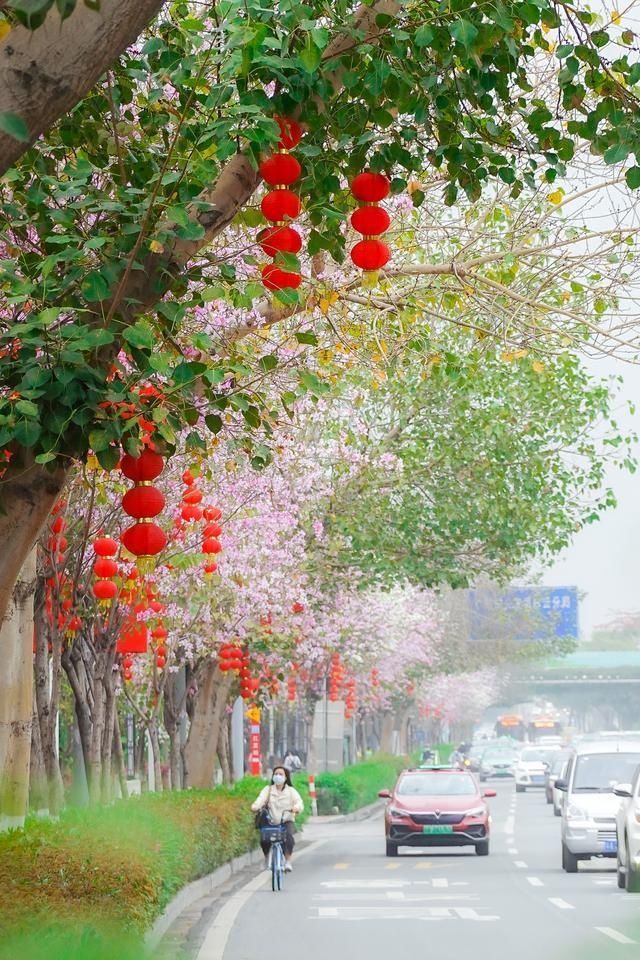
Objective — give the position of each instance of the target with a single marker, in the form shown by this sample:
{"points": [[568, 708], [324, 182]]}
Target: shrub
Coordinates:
{"points": [[357, 785]]}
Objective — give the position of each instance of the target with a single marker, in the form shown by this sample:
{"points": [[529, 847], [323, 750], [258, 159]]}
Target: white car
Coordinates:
{"points": [[628, 834], [531, 768], [589, 810]]}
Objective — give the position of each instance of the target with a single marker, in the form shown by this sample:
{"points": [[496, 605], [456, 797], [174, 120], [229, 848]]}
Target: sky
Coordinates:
{"points": [[604, 559]]}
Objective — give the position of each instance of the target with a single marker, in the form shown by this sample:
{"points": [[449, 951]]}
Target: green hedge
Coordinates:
{"points": [[358, 785], [117, 867]]}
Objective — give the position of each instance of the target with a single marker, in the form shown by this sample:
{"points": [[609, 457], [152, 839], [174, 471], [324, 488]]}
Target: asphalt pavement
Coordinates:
{"points": [[345, 899]]}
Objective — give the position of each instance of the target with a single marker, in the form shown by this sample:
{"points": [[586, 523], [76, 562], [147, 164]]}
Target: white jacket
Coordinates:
{"points": [[279, 802]]}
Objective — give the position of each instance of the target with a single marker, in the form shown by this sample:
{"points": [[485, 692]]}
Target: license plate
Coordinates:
{"points": [[441, 829], [611, 846]]}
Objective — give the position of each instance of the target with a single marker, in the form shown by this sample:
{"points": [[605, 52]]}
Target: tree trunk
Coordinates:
{"points": [[44, 73], [224, 751], [386, 733], [107, 742], [208, 712], [38, 789], [47, 688], [155, 750], [16, 696], [119, 755]]}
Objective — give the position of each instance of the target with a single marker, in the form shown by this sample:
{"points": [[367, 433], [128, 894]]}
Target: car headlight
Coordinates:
{"points": [[574, 812], [476, 812], [394, 812]]}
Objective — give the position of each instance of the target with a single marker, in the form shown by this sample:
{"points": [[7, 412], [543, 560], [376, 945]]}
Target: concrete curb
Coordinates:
{"points": [[195, 891], [362, 814]]}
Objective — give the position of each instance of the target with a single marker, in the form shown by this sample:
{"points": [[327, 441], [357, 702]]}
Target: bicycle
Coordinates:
{"points": [[275, 836]]}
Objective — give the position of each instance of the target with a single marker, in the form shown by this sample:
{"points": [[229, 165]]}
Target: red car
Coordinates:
{"points": [[443, 808]]}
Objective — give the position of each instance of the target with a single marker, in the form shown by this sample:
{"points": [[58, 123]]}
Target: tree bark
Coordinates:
{"points": [[28, 494], [16, 697], [44, 73], [47, 690], [155, 750], [38, 788], [208, 712], [119, 755], [224, 751]]}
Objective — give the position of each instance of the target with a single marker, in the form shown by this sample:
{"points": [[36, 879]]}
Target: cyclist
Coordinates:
{"points": [[282, 802]]}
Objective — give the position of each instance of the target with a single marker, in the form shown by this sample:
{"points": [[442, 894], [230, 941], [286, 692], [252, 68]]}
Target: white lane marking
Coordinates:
{"points": [[215, 941], [510, 825], [513, 851], [440, 882], [604, 881], [366, 884], [399, 912], [614, 935], [535, 881], [560, 903], [520, 864], [327, 912], [395, 895]]}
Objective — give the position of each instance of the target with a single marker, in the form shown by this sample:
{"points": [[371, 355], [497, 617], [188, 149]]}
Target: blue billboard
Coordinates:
{"points": [[524, 614]]}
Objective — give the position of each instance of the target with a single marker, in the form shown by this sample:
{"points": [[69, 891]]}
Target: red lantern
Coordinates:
{"points": [[298, 607], [59, 524], [276, 279], [290, 133], [142, 469], [105, 547], [370, 221], [210, 569], [212, 513], [144, 539], [191, 513], [370, 254], [281, 169], [276, 240], [211, 545], [187, 478], [192, 496], [159, 633], [212, 530], [225, 666], [143, 501], [105, 567], [161, 652], [280, 205], [161, 662], [156, 606], [370, 187], [105, 590]]}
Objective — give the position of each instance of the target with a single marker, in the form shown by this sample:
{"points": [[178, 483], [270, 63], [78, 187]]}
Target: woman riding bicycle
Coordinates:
{"points": [[282, 802]]}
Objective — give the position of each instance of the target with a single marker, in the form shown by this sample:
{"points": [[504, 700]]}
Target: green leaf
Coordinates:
{"points": [[14, 126], [269, 362], [616, 154], [464, 32], [306, 336], [310, 56], [108, 458], [26, 408], [213, 422], [139, 335], [632, 177], [27, 432], [423, 37], [95, 287], [45, 457], [312, 383]]}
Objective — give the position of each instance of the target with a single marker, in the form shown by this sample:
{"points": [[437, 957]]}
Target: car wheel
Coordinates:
{"points": [[631, 876], [549, 798], [569, 861], [520, 788], [482, 849], [620, 875], [557, 812], [392, 849]]}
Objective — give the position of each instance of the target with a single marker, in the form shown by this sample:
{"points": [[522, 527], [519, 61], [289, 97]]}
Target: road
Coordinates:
{"points": [[516, 904]]}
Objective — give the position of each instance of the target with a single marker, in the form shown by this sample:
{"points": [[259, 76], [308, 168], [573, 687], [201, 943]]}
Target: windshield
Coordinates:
{"points": [[599, 772], [500, 756], [558, 764], [437, 785], [534, 756]]}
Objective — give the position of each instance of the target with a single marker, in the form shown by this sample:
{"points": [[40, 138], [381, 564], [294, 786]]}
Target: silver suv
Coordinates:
{"points": [[590, 805]]}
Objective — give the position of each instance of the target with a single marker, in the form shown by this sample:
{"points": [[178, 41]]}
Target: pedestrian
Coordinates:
{"points": [[282, 802], [292, 762]]}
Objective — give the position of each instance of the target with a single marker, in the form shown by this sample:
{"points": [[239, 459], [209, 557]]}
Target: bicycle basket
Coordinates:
{"points": [[272, 834]]}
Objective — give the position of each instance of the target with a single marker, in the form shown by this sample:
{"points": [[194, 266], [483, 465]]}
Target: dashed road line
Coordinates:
{"points": [[614, 935], [392, 866], [561, 904], [512, 851], [439, 882], [341, 866], [535, 881], [520, 864]]}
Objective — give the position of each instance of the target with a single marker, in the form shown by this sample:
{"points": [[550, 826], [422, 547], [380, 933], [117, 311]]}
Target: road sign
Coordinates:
{"points": [[524, 614]]}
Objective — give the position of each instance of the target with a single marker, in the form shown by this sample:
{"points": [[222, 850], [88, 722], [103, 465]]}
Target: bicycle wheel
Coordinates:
{"points": [[277, 867]]}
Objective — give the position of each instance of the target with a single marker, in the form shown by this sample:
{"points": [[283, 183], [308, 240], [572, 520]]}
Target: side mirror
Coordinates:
{"points": [[384, 794], [490, 793], [623, 790], [561, 785]]}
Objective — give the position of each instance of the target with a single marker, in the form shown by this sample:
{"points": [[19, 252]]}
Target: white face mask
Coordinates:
{"points": [[279, 779]]}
